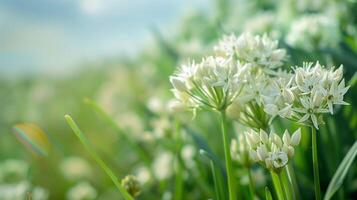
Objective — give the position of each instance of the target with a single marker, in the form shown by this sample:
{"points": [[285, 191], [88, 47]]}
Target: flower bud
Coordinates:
{"points": [[286, 137], [132, 185], [263, 136], [288, 95], [279, 159], [262, 152], [337, 75], [295, 138], [277, 140]]}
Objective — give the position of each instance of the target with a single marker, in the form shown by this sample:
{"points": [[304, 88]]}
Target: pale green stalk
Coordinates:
{"points": [[315, 163], [277, 185], [230, 175]]}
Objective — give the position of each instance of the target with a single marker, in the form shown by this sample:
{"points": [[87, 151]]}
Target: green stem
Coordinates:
{"points": [[251, 183], [230, 175], [315, 163], [282, 185], [179, 175], [277, 185]]}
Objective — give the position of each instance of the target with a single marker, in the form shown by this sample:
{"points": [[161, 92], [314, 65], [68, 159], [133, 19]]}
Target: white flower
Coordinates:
{"points": [[310, 111], [335, 94], [279, 159]]}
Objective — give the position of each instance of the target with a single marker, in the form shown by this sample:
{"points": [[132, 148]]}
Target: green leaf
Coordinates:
{"points": [[33, 137], [268, 194], [82, 138], [341, 172]]}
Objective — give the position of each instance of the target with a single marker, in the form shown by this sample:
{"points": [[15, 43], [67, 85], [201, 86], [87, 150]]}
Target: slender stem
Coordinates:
{"points": [[231, 181], [179, 184], [277, 185], [282, 185], [251, 183], [315, 163]]}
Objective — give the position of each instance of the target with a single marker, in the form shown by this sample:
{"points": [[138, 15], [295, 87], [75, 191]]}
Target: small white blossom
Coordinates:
{"points": [[82, 191]]}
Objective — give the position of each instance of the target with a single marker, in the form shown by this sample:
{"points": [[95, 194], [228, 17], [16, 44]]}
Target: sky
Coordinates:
{"points": [[54, 35]]}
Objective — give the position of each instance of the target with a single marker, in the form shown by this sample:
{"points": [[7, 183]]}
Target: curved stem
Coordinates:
{"points": [[315, 163], [231, 181]]}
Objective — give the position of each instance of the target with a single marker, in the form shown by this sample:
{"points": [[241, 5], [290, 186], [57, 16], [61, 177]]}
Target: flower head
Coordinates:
{"points": [[311, 91], [213, 83], [271, 150]]}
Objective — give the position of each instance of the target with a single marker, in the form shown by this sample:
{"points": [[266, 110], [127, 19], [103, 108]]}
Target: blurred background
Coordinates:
{"points": [[119, 54]]}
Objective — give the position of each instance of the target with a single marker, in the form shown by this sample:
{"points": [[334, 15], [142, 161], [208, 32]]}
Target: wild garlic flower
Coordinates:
{"points": [[272, 151], [311, 92], [314, 31], [259, 51], [213, 83], [75, 168]]}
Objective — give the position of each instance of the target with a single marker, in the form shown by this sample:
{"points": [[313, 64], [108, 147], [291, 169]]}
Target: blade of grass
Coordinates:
{"points": [[96, 157], [341, 172]]}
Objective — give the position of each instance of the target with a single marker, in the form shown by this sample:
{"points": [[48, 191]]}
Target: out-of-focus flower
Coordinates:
{"points": [[163, 165], [314, 31], [264, 23], [14, 191], [13, 170], [259, 51], [82, 191], [39, 193], [132, 185], [272, 151], [143, 174], [188, 154], [75, 168]]}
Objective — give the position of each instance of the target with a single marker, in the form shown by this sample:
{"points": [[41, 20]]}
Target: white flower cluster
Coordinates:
{"points": [[314, 30], [270, 150], [311, 91], [82, 191], [216, 81], [213, 83]]}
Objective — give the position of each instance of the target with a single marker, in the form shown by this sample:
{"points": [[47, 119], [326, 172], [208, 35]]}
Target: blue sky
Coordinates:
{"points": [[50, 35]]}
